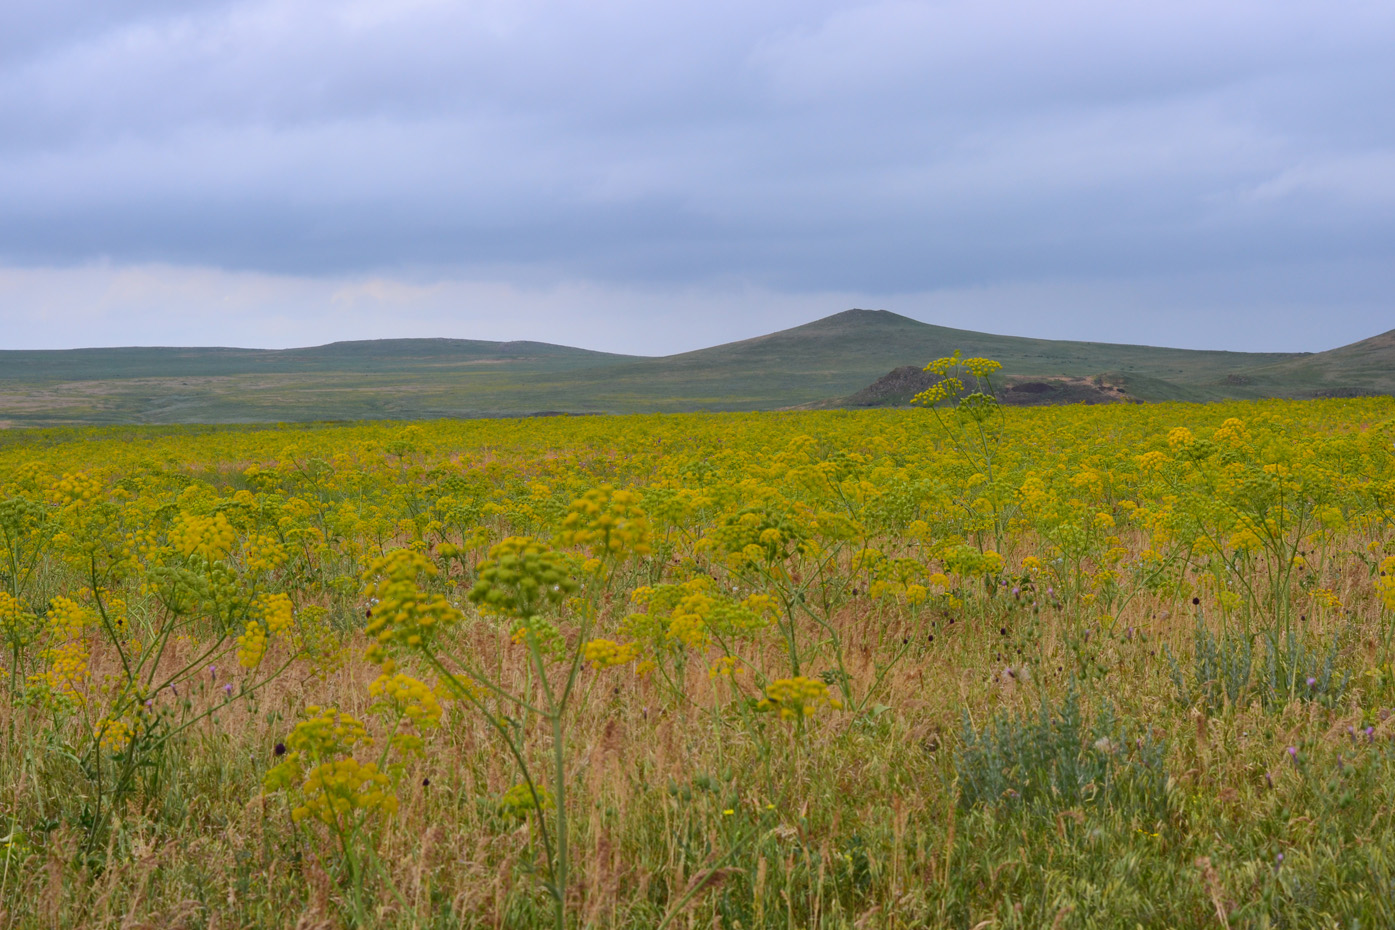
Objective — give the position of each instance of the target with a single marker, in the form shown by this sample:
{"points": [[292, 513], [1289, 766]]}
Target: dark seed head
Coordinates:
{"points": [[280, 749], [1196, 601]]}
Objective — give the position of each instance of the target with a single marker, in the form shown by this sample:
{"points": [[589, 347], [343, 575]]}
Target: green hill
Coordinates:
{"points": [[816, 364], [379, 355], [1362, 368], [843, 353]]}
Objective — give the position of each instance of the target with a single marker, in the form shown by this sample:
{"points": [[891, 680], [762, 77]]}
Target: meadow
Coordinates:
{"points": [[960, 666]]}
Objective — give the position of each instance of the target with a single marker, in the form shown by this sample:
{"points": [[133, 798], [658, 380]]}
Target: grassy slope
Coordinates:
{"points": [[406, 378], [343, 380], [382, 355], [846, 352], [1367, 366]]}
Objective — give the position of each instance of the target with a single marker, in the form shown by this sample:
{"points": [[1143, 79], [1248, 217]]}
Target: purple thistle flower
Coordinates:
{"points": [[227, 689]]}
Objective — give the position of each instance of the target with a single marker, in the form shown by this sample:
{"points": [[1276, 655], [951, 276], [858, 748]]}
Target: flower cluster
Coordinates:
{"points": [[331, 786], [206, 537], [334, 790], [605, 653], [413, 704], [277, 616], [19, 627], [1385, 584], [797, 698], [403, 613], [521, 800], [114, 735], [521, 577], [608, 522]]}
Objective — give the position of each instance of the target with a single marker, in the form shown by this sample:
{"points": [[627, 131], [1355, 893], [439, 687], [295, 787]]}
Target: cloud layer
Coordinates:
{"points": [[1189, 173]]}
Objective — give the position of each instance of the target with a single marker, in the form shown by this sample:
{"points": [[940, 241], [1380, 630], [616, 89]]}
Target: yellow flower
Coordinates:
{"points": [[982, 367], [520, 800], [1385, 584], [405, 615], [333, 790], [407, 697], [796, 698], [1180, 438], [18, 625], [725, 667], [604, 653], [522, 577], [208, 537], [114, 735], [607, 521], [251, 645]]}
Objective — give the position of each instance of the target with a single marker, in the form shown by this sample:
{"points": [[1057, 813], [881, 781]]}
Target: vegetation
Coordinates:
{"points": [[971, 666], [833, 362]]}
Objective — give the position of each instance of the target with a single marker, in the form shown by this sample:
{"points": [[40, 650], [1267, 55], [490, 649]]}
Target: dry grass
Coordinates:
{"points": [[852, 823]]}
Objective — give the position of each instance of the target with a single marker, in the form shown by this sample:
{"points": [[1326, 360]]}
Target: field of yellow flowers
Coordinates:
{"points": [[959, 666]]}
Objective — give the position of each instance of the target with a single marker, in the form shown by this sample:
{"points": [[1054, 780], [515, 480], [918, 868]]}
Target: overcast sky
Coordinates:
{"points": [[657, 176]]}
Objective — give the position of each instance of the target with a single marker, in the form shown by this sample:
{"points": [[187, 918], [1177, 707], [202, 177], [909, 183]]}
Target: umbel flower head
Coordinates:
{"points": [[335, 784], [521, 577], [951, 370], [19, 626], [520, 800], [406, 615], [1385, 584], [797, 698], [608, 522]]}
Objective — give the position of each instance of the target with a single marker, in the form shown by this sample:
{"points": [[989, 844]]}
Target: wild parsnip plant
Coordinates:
{"points": [[966, 666]]}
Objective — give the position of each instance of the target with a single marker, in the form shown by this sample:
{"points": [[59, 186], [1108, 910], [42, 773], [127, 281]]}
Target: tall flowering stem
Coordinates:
{"points": [[528, 585]]}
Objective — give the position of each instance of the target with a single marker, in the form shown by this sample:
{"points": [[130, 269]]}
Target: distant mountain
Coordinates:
{"points": [[855, 346], [836, 361], [371, 355]]}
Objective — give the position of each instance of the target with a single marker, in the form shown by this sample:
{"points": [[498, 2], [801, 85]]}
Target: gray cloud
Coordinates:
{"points": [[817, 148]]}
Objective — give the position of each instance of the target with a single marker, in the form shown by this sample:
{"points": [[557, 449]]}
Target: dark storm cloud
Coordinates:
{"points": [[877, 148]]}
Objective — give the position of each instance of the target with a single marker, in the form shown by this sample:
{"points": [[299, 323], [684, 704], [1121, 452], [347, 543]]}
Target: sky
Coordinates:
{"points": [[652, 177]]}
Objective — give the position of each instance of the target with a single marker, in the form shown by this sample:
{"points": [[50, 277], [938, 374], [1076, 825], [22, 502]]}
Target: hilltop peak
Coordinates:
{"points": [[858, 316]]}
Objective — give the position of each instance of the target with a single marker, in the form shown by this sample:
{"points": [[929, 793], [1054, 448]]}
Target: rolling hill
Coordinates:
{"points": [[823, 363]]}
